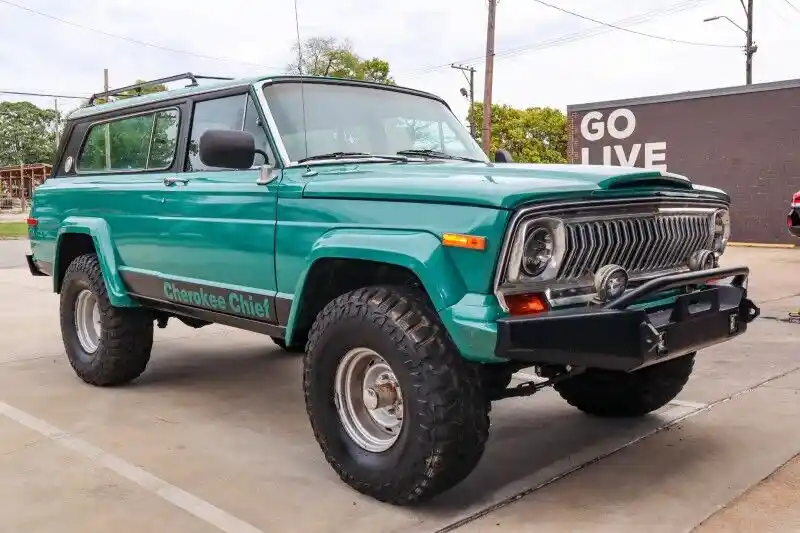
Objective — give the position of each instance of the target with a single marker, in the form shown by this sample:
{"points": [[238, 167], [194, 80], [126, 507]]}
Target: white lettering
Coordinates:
{"points": [[598, 130], [629, 161], [653, 159], [585, 155], [630, 123], [606, 155]]}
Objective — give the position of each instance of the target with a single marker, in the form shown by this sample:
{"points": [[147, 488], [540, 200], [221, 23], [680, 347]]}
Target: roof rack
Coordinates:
{"points": [[139, 86]]}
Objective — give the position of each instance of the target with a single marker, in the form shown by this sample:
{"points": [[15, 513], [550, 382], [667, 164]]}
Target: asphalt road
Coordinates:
{"points": [[214, 437], [12, 253]]}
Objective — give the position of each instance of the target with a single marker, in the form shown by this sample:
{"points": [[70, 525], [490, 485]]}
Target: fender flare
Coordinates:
{"points": [[100, 233], [420, 252]]}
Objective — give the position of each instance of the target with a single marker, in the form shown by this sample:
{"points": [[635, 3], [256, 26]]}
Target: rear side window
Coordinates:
{"points": [[138, 143]]}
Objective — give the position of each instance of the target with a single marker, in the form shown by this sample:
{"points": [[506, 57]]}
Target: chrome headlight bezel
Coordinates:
{"points": [[721, 230], [555, 227]]}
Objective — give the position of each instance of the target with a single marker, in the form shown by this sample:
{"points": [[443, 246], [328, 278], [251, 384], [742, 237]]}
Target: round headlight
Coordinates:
{"points": [[722, 230], [538, 251]]}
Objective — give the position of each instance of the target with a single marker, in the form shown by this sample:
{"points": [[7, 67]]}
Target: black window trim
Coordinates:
{"points": [[166, 106]]}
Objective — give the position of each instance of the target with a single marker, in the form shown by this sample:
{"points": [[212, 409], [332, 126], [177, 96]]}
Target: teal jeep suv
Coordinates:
{"points": [[361, 225]]}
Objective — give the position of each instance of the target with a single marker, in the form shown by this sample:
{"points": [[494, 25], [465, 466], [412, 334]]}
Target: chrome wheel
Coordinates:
{"points": [[368, 399], [87, 321]]}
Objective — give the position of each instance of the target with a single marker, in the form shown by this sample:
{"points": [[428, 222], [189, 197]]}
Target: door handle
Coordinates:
{"points": [[171, 181]]}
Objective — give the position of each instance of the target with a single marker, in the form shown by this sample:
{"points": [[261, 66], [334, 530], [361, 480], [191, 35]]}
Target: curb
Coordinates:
{"points": [[760, 245]]}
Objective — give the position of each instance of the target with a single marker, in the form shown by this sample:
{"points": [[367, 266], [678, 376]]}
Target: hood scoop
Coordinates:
{"points": [[636, 181]]}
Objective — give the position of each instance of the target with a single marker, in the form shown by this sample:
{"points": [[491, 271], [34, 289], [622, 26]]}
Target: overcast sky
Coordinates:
{"points": [[544, 57]]}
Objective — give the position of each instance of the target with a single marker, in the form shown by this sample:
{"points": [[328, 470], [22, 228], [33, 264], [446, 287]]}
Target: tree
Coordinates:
{"points": [[325, 56], [136, 92], [532, 135], [27, 133]]}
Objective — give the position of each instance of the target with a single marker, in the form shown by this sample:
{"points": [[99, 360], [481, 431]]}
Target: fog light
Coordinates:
{"points": [[610, 281], [703, 260]]}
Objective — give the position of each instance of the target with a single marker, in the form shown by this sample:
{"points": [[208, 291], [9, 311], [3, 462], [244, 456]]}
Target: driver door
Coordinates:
{"points": [[221, 236]]}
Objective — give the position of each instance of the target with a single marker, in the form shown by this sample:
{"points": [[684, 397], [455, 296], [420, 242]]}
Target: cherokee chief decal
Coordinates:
{"points": [[221, 300]]}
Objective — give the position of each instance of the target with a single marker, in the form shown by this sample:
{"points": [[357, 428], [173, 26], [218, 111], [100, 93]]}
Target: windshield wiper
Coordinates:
{"points": [[351, 155], [437, 155]]}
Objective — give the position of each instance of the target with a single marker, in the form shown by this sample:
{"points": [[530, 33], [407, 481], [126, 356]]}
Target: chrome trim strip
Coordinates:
{"points": [[566, 206]]}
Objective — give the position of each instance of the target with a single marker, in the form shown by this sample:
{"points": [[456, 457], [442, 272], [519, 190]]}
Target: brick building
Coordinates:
{"points": [[745, 140]]}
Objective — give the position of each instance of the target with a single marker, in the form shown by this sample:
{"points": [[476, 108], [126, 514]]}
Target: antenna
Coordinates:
{"points": [[300, 71]]}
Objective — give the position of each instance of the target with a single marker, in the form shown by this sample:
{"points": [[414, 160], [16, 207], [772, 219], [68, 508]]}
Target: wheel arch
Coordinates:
{"points": [[343, 260], [82, 235]]}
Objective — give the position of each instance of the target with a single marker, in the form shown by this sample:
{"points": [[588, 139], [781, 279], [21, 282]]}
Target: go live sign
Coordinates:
{"points": [[617, 126]]}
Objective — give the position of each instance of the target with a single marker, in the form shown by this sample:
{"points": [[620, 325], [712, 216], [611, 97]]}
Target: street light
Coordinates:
{"points": [[749, 47], [726, 18]]}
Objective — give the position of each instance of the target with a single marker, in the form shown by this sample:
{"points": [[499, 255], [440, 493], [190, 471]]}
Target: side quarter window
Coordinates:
{"points": [[139, 143], [236, 112]]}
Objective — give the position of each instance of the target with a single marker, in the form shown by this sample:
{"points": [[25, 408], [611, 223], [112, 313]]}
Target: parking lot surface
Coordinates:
{"points": [[214, 437]]}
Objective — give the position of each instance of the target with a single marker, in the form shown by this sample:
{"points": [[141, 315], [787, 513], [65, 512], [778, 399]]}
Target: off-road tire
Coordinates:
{"points": [[126, 333], [281, 343], [446, 422], [607, 393]]}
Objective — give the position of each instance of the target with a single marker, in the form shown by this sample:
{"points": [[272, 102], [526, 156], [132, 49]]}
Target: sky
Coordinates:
{"points": [[544, 57]]}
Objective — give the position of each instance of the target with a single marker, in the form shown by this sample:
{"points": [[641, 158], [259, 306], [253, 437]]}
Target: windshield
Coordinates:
{"points": [[347, 118]]}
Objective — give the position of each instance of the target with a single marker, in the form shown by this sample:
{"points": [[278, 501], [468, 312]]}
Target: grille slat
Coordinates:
{"points": [[640, 244]]}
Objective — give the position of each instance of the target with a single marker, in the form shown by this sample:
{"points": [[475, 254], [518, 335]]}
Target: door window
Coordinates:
{"points": [[236, 112]]}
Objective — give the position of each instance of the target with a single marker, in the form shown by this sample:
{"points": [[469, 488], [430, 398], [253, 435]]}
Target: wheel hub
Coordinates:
{"points": [[87, 321], [368, 399]]}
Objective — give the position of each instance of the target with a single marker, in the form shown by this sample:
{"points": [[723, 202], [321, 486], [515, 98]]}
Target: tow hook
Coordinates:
{"points": [[748, 311]]}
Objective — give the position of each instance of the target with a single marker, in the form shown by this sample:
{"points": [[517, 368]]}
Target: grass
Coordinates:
{"points": [[13, 230]]}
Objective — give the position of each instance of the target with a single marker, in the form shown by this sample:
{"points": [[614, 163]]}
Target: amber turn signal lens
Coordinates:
{"points": [[526, 304], [472, 242]]}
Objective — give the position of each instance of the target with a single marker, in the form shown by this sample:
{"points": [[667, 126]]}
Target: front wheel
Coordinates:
{"points": [[607, 393], [397, 412]]}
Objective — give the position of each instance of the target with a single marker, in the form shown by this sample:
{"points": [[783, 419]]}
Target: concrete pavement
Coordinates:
{"points": [[213, 437]]}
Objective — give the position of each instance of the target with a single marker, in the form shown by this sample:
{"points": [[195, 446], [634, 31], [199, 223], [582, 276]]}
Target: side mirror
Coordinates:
{"points": [[227, 149], [503, 156]]}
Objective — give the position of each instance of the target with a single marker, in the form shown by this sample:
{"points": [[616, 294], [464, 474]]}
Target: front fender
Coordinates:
{"points": [[98, 230], [420, 252]]}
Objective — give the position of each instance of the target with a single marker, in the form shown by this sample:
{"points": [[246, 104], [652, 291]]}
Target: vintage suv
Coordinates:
{"points": [[361, 224]]}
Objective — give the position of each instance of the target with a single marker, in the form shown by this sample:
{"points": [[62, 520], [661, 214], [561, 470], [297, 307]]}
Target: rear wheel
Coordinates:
{"points": [[105, 345], [608, 393], [397, 412]]}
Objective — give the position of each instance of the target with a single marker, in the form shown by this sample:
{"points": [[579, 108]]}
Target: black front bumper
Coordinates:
{"points": [[613, 336]]}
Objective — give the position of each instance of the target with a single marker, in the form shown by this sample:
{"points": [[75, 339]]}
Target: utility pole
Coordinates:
{"points": [[486, 135], [471, 95], [58, 121], [107, 131], [749, 48]]}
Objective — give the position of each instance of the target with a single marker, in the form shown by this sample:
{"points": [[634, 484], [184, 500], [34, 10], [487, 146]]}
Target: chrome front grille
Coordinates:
{"points": [[639, 243]]}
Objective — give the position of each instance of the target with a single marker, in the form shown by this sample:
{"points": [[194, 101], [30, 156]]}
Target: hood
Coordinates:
{"points": [[505, 185]]}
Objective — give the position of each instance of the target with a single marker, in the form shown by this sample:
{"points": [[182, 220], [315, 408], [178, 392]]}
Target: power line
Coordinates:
{"points": [[23, 93], [571, 37], [792, 5], [130, 39], [650, 35]]}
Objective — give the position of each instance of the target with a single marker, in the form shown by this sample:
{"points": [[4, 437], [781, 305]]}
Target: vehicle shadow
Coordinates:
{"points": [[532, 439]]}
